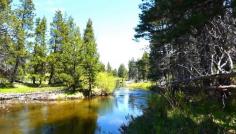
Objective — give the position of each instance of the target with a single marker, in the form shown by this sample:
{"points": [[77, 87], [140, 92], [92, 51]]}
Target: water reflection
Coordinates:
{"points": [[99, 115]]}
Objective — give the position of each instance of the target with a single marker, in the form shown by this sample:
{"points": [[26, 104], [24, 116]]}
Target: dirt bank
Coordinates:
{"points": [[42, 96]]}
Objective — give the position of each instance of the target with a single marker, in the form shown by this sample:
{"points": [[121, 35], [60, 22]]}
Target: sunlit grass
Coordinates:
{"points": [[20, 88], [139, 85]]}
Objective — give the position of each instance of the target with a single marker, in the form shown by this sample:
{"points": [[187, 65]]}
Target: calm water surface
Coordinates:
{"points": [[102, 115]]}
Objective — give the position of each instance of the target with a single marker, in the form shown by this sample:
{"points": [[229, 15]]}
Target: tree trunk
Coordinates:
{"points": [[51, 75], [40, 82], [90, 89], [34, 79], [14, 74]]}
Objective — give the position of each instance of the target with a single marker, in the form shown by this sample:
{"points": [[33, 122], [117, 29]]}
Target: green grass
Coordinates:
{"points": [[20, 88], [199, 116], [140, 85]]}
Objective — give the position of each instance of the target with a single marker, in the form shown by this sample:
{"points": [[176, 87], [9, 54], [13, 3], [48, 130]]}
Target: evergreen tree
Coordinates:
{"points": [[139, 65], [145, 66], [133, 70], [122, 71], [102, 67], [59, 37], [38, 60], [71, 57], [90, 56], [187, 38], [24, 25], [115, 73], [109, 69], [6, 39]]}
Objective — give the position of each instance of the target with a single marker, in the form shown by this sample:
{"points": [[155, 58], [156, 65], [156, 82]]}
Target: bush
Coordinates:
{"points": [[106, 82]]}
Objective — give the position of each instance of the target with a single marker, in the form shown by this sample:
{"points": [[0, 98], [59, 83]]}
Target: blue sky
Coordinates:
{"points": [[113, 20]]}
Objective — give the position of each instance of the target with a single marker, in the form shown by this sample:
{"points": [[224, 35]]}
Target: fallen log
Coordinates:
{"points": [[205, 77], [225, 87]]}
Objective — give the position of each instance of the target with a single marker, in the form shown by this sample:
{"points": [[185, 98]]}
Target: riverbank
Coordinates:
{"points": [[19, 88], [41, 96], [139, 85], [44, 93], [197, 114], [49, 96]]}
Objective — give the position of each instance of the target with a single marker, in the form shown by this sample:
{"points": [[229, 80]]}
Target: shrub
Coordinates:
{"points": [[106, 82]]}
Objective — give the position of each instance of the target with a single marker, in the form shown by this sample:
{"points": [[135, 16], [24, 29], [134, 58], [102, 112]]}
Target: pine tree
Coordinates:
{"points": [[90, 56], [71, 57], [24, 25], [102, 67], [133, 71], [109, 69], [145, 66], [6, 39], [115, 73], [38, 60], [59, 37], [122, 71]]}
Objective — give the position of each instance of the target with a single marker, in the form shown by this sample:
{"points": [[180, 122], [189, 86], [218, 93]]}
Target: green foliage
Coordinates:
{"points": [[165, 20], [67, 79], [6, 40], [23, 25], [102, 67], [59, 37], [90, 56], [115, 73], [37, 64], [139, 70], [4, 4], [71, 57], [68, 59], [140, 85], [20, 88], [106, 82], [122, 71], [198, 115], [133, 70], [109, 69]]}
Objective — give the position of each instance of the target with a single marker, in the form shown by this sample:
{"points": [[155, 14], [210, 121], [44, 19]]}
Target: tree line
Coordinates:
{"points": [[139, 69], [27, 52], [189, 40], [192, 45]]}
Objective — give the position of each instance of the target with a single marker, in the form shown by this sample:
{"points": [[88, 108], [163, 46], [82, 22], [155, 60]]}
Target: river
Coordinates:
{"points": [[103, 115]]}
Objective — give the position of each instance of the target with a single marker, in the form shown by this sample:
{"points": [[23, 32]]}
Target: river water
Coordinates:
{"points": [[103, 115]]}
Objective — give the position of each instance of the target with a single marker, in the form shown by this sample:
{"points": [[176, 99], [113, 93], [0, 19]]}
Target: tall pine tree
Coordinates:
{"points": [[38, 59], [71, 57], [6, 40], [90, 56], [59, 36], [24, 25], [109, 69]]}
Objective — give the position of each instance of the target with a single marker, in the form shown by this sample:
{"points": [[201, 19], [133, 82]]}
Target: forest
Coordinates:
{"points": [[185, 82], [31, 52], [192, 60]]}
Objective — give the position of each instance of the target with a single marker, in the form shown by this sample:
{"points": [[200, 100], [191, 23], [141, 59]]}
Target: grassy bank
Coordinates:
{"points": [[105, 84], [200, 115], [21, 88], [139, 85]]}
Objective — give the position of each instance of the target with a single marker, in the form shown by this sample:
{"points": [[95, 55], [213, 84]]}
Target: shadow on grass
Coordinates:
{"points": [[203, 117]]}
